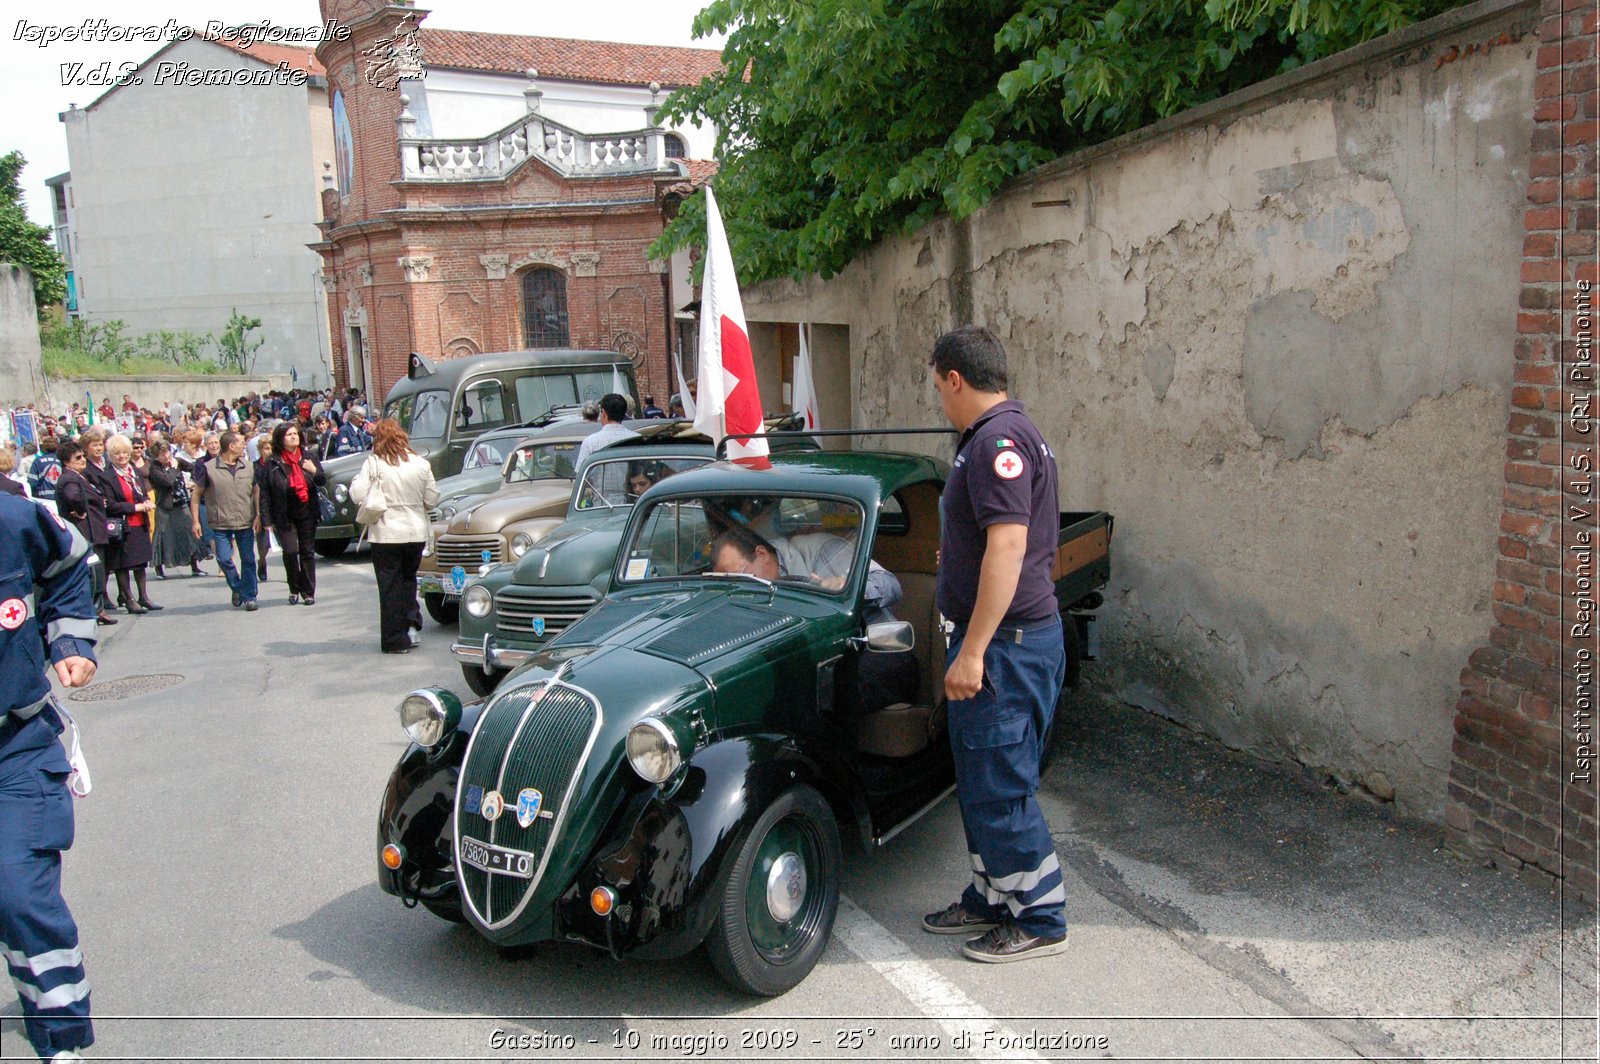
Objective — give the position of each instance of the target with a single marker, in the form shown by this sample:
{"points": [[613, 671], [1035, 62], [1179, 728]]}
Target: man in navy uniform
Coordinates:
{"points": [[45, 609], [1006, 662]]}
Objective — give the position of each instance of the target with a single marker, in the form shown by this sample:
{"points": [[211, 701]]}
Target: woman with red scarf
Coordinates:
{"points": [[291, 504], [130, 500]]}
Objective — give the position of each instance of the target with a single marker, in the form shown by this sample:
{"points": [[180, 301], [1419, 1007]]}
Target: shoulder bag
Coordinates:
{"points": [[374, 506]]}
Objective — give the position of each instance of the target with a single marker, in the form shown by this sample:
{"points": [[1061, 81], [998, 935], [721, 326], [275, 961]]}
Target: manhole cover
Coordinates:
{"points": [[127, 687]]}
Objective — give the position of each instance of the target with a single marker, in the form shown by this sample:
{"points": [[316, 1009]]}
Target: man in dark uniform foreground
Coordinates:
{"points": [[1006, 662], [45, 609]]}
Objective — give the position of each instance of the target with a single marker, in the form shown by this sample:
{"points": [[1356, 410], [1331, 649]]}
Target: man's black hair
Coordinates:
{"points": [[66, 450], [976, 354], [614, 406], [742, 540]]}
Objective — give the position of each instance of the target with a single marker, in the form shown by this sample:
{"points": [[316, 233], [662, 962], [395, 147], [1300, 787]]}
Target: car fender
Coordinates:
{"points": [[670, 848], [416, 814]]}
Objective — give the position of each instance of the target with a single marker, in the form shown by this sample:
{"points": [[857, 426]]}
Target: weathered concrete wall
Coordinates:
{"points": [[161, 389], [21, 376], [1270, 336]]}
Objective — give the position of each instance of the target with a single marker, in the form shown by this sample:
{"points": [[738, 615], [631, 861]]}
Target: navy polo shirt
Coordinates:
{"points": [[1004, 473]]}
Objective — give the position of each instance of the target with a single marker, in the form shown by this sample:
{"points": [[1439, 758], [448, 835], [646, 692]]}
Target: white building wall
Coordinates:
{"points": [[191, 200], [464, 104]]}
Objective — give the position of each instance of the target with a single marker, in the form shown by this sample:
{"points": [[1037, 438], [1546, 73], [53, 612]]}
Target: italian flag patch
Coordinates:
{"points": [[1003, 443]]}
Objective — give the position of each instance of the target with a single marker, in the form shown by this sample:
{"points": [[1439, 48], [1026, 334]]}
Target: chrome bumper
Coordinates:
{"points": [[489, 656]]}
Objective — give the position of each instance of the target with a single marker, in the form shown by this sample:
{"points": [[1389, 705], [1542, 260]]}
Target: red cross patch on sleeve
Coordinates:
{"points": [[1008, 465], [13, 612]]}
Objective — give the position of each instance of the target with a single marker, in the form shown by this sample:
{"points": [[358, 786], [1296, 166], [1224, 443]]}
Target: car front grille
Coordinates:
{"points": [[541, 735], [466, 551], [516, 610]]}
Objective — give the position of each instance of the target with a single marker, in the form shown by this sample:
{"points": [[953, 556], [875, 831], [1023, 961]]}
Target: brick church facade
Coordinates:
{"points": [[522, 233]]}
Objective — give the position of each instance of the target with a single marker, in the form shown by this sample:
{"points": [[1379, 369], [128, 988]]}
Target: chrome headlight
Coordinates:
{"points": [[477, 601], [653, 750], [447, 511], [520, 544], [429, 715], [340, 493]]}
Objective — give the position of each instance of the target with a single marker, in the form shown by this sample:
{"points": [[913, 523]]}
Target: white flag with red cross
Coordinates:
{"points": [[805, 382], [728, 403]]}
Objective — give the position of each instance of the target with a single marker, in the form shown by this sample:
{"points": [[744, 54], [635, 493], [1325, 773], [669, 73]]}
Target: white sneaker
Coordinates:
{"points": [[416, 637], [67, 1054]]}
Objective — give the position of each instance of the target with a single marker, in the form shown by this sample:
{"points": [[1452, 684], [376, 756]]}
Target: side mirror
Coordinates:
{"points": [[891, 637]]}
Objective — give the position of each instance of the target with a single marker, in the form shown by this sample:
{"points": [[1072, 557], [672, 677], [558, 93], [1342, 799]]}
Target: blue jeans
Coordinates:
{"points": [[242, 579]]}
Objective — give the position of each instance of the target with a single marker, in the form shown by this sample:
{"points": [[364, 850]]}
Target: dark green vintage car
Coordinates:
{"points": [[677, 766]]}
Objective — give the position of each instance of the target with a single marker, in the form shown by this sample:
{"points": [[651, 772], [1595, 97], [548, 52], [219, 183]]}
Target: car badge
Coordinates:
{"points": [[529, 802], [488, 556], [458, 577], [474, 799], [538, 626], [493, 806]]}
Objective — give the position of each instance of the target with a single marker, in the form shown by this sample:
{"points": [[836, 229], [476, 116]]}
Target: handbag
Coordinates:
{"points": [[116, 528], [374, 506], [325, 508]]}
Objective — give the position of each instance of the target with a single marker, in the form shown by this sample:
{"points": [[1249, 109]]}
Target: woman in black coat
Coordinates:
{"points": [[130, 500], [81, 506], [289, 500]]}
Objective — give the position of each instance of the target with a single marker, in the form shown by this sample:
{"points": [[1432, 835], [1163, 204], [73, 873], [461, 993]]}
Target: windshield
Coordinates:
{"points": [[621, 481], [428, 416], [486, 453], [781, 539], [543, 461]]}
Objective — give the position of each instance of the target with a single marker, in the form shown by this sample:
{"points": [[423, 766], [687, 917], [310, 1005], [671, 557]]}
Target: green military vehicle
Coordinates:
{"points": [[678, 766], [446, 407]]}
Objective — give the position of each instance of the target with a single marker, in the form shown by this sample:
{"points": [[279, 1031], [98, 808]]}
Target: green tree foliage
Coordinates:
{"points": [[26, 244], [841, 121], [238, 347]]}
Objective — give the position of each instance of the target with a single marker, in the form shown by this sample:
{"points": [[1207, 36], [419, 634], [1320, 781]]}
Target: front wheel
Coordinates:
{"points": [[445, 611], [331, 548], [780, 897], [482, 683]]}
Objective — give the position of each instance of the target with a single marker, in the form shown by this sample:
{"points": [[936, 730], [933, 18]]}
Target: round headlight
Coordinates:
{"points": [[447, 511], [520, 544], [653, 750], [429, 715], [340, 493], [477, 601]]}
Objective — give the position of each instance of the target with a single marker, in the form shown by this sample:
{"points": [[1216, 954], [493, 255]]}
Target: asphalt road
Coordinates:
{"points": [[223, 880]]}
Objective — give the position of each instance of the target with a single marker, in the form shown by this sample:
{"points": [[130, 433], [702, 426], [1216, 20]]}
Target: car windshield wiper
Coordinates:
{"points": [[763, 581]]}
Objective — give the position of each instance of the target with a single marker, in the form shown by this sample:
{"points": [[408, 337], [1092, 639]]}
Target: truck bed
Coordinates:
{"points": [[1083, 555]]}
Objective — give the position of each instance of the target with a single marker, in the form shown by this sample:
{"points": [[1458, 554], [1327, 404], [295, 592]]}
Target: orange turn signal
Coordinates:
{"points": [[393, 857], [602, 900]]}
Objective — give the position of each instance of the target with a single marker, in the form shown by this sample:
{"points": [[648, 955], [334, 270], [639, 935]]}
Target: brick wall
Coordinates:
{"points": [[461, 306], [1522, 784]]}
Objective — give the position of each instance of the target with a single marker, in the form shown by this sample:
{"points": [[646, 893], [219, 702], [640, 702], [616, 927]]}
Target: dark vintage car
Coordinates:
{"points": [[519, 606], [678, 766]]}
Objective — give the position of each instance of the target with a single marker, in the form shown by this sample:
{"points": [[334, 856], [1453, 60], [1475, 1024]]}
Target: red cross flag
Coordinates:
{"points": [[728, 403], [805, 383]]}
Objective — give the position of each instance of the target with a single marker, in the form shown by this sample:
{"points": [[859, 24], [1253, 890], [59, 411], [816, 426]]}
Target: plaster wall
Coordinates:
{"points": [[160, 389], [1270, 337], [192, 200], [21, 376]]}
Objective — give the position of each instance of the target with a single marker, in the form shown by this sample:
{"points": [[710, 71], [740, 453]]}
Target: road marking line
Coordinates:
{"points": [[934, 996]]}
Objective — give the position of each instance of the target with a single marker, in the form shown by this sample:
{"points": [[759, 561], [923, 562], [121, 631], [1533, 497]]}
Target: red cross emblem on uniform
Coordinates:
{"points": [[12, 613], [1008, 465]]}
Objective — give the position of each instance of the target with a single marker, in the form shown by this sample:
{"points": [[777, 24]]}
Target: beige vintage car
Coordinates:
{"points": [[501, 526]]}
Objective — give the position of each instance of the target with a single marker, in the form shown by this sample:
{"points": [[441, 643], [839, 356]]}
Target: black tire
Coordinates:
{"points": [[751, 948], [446, 612], [331, 548], [482, 684], [444, 911]]}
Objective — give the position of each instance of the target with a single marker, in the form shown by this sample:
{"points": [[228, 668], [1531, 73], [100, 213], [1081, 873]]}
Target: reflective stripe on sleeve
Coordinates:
{"points": [[75, 627], [75, 554]]}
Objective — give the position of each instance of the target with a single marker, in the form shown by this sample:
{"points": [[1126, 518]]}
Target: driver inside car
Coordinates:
{"points": [[825, 559]]}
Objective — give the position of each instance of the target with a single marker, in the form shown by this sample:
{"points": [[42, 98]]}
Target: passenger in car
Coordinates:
{"points": [[825, 559]]}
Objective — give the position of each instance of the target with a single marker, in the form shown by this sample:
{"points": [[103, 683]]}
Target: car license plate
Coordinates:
{"points": [[427, 582], [496, 860]]}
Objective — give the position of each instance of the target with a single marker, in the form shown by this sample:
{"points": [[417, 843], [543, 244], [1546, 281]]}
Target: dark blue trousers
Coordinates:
{"points": [[997, 739], [38, 937]]}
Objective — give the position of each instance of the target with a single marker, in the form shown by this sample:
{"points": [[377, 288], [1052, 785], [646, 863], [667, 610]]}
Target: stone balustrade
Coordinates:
{"points": [[567, 151]]}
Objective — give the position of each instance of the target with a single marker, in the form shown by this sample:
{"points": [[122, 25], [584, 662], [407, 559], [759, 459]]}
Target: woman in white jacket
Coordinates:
{"points": [[405, 481]]}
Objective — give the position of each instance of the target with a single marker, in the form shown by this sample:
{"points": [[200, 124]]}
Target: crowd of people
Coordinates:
{"points": [[160, 488]]}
